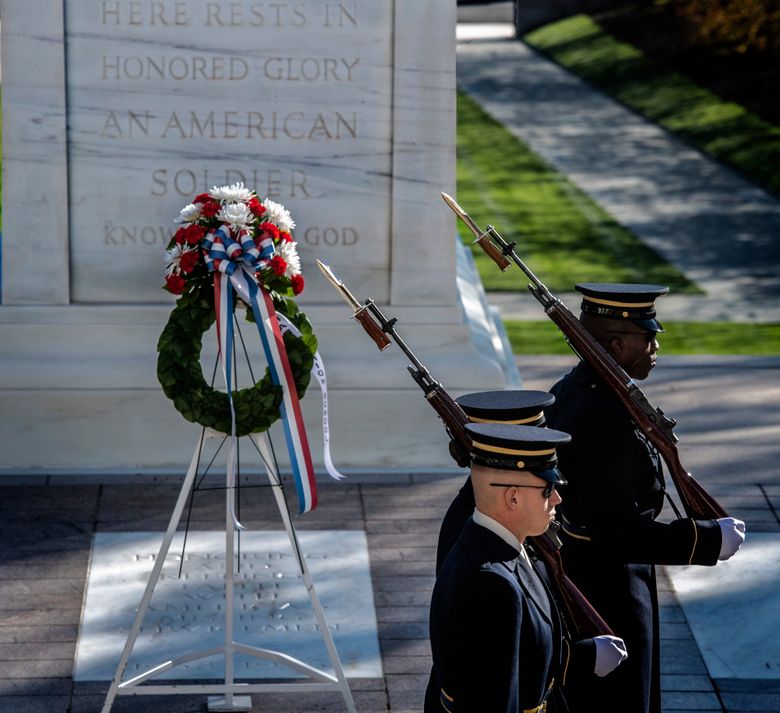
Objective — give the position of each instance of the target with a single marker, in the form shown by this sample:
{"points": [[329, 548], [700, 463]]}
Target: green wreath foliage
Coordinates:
{"points": [[181, 376]]}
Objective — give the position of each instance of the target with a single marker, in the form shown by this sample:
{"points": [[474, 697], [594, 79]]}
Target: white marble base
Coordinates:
{"points": [[79, 392], [733, 609], [271, 609]]}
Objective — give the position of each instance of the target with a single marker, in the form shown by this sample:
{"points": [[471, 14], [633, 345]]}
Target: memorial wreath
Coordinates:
{"points": [[230, 240]]}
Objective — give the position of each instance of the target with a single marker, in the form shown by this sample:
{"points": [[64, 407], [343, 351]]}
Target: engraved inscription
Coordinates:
{"points": [[169, 98], [186, 182], [158, 13], [196, 68], [295, 125], [137, 13], [330, 236], [136, 234], [309, 69]]}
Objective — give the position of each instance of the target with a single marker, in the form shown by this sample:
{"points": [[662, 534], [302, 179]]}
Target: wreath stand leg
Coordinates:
{"points": [[230, 695]]}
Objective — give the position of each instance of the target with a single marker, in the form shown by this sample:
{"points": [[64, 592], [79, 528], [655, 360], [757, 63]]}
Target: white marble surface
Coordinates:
{"points": [[90, 399], [296, 100], [733, 609], [272, 608], [77, 381], [342, 111], [35, 170]]}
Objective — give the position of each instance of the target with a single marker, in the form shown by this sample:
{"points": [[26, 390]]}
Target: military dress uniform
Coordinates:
{"points": [[611, 539], [497, 638], [520, 407]]}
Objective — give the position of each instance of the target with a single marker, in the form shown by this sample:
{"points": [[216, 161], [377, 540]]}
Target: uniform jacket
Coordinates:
{"points": [[496, 635], [460, 510], [611, 538]]}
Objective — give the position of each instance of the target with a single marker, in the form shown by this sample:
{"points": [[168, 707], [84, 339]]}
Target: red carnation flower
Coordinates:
{"points": [[175, 284], [194, 234], [297, 284], [188, 261], [209, 210], [256, 207], [278, 265], [271, 230], [180, 235], [203, 198], [284, 235]]}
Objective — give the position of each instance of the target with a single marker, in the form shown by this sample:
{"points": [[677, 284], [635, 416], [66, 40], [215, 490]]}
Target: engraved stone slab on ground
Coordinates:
{"points": [[272, 609]]}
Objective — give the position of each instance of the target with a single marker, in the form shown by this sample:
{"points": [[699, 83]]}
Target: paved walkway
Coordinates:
{"points": [[717, 228]]}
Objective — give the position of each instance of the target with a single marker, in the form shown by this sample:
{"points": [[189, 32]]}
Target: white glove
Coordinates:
{"points": [[610, 653], [732, 533]]}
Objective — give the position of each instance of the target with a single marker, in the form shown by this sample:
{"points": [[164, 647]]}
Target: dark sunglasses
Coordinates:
{"points": [[547, 490]]}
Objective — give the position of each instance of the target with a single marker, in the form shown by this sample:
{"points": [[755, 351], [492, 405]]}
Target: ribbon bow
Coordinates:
{"points": [[223, 253]]}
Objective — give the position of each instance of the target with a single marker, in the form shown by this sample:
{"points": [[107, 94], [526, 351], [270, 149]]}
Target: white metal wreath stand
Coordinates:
{"points": [[230, 695]]}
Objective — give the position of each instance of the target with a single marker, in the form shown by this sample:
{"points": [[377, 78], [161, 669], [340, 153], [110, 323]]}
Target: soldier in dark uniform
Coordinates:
{"points": [[615, 492], [519, 407], [497, 638]]}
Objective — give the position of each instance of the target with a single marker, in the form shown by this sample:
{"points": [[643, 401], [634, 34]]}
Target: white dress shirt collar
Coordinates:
{"points": [[498, 529]]}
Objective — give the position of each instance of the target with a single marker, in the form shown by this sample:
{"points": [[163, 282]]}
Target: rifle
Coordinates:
{"points": [[582, 619], [652, 421]]}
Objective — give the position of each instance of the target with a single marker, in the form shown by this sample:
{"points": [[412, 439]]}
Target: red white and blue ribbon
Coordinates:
{"points": [[234, 263], [223, 306], [318, 372], [292, 418]]}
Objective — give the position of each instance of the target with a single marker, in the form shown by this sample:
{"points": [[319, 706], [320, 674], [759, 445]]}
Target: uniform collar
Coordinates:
{"points": [[497, 529], [584, 372]]}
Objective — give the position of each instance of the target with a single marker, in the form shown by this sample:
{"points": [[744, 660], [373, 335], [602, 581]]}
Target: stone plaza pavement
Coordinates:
{"points": [[728, 408]]}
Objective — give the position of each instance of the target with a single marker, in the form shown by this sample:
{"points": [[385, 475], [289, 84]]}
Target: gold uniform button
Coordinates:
{"points": [[520, 463], [625, 314]]}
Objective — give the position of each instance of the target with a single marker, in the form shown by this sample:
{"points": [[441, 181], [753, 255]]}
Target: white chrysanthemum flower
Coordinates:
{"points": [[189, 214], [290, 254], [237, 215], [231, 194], [172, 259], [278, 215]]}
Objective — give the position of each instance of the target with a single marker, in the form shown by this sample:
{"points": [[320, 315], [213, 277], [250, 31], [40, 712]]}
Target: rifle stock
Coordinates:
{"points": [[697, 502]]}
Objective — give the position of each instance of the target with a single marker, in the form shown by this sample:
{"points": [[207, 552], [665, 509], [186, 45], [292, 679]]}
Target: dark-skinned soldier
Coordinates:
{"points": [[611, 537]]}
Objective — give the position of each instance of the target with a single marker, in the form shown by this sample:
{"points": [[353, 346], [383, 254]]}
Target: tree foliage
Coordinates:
{"points": [[737, 25]]}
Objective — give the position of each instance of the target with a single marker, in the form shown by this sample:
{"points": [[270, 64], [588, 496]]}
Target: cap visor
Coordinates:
{"points": [[551, 475], [651, 325]]}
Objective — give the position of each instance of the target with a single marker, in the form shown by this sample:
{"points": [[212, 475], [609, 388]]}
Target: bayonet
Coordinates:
{"points": [[483, 238], [362, 312]]}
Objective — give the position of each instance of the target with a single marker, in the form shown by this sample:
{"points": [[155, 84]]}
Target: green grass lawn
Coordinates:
{"points": [[561, 234], [543, 337], [720, 128]]}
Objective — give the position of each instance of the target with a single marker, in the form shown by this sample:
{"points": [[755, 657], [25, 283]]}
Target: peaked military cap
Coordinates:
{"points": [[623, 301], [513, 406], [510, 447]]}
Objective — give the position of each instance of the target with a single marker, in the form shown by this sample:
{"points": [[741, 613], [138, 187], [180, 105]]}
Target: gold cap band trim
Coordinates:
{"points": [[511, 451], [612, 303], [518, 422]]}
